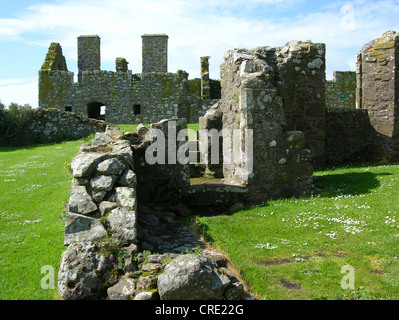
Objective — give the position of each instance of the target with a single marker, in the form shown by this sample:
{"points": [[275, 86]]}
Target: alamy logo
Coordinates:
{"points": [[175, 148], [48, 281], [348, 281], [348, 17]]}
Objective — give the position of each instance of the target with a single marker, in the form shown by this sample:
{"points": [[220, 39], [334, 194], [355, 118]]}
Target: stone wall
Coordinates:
{"points": [[155, 53], [281, 165], [53, 125], [89, 54], [352, 139], [377, 79], [300, 82], [341, 91], [112, 232]]}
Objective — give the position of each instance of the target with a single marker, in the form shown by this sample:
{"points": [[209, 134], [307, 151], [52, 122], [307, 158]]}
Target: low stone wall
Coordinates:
{"points": [[111, 239], [53, 125], [350, 138]]}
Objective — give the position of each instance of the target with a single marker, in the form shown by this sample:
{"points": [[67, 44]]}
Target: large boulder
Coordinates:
{"points": [[84, 271], [192, 277]]}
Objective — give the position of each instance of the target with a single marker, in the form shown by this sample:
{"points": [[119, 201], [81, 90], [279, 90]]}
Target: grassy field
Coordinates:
{"points": [[34, 188], [297, 248], [286, 249]]}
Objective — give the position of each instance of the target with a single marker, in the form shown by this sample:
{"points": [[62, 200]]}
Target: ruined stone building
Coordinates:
{"points": [[353, 118], [120, 96], [273, 90], [272, 111]]}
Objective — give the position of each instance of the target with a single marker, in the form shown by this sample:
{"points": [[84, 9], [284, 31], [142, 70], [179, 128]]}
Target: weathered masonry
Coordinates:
{"points": [[121, 96], [368, 133], [273, 90], [377, 82], [341, 91]]}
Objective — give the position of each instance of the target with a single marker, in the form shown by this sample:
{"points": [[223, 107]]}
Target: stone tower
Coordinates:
{"points": [[89, 58], [155, 53]]}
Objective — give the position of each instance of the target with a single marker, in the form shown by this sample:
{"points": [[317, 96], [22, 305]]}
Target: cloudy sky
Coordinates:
{"points": [[195, 27]]}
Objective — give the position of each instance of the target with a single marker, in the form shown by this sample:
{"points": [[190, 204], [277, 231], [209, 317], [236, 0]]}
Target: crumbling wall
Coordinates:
{"points": [[377, 81], [300, 81], [252, 106], [54, 125], [55, 81], [110, 228]]}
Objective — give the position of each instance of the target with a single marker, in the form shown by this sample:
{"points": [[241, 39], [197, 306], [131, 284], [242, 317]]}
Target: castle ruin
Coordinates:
{"points": [[120, 96]]}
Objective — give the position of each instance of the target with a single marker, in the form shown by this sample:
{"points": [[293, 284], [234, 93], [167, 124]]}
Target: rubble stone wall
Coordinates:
{"points": [[341, 91], [377, 82], [281, 165], [112, 233], [54, 125]]}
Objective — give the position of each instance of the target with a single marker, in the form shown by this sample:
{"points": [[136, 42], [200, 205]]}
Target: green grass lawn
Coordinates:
{"points": [[287, 249], [34, 189], [296, 248]]}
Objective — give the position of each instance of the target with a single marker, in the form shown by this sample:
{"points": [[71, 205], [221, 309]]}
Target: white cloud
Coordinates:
{"points": [[198, 28], [20, 91]]}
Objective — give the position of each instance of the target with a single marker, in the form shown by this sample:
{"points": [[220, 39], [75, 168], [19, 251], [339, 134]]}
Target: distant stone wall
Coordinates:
{"points": [[53, 125], [341, 92], [89, 54], [155, 52], [120, 96]]}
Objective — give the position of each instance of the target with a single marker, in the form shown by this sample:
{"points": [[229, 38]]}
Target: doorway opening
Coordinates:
{"points": [[96, 110]]}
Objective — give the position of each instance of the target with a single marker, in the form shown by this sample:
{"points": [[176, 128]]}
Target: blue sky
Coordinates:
{"points": [[195, 27]]}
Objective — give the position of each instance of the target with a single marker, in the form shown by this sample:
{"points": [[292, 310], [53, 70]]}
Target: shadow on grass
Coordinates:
{"points": [[350, 183]]}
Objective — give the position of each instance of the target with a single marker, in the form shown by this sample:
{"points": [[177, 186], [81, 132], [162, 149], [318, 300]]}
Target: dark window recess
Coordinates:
{"points": [[137, 109], [68, 108], [96, 110]]}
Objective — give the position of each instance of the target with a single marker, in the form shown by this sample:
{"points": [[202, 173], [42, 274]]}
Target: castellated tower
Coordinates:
{"points": [[89, 57], [155, 53]]}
